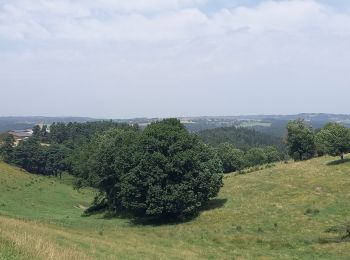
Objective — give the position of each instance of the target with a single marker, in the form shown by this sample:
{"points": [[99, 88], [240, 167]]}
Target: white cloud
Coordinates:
{"points": [[149, 45]]}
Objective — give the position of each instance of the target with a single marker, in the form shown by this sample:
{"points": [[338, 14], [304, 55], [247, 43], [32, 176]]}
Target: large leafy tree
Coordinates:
{"points": [[300, 140], [112, 157], [335, 138], [162, 172], [176, 173]]}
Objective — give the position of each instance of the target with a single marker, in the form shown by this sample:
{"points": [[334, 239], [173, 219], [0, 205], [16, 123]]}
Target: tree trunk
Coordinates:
{"points": [[342, 156]]}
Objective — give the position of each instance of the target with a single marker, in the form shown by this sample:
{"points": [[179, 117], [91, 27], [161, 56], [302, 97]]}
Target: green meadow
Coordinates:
{"points": [[295, 210]]}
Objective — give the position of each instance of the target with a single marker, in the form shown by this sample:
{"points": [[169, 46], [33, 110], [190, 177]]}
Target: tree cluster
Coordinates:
{"points": [[304, 143], [51, 152], [234, 159], [36, 158]]}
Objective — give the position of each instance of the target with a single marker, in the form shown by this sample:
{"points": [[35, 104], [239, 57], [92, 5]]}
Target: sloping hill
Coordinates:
{"points": [[277, 213]]}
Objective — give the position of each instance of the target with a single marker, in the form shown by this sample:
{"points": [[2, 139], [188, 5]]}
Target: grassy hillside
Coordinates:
{"points": [[281, 212]]}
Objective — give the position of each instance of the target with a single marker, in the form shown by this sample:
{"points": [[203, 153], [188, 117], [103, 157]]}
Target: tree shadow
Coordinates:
{"points": [[102, 209], [214, 204], [176, 220], [105, 213], [338, 162]]}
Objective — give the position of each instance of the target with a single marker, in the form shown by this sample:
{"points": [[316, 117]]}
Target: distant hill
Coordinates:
{"points": [[269, 124], [21, 123], [243, 138]]}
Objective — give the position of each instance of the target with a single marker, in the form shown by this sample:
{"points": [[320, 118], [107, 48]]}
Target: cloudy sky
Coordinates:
{"points": [[160, 58]]}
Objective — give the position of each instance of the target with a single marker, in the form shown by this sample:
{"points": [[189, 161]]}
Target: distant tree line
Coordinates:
{"points": [[55, 151], [240, 147], [234, 159], [304, 142], [242, 138], [50, 152]]}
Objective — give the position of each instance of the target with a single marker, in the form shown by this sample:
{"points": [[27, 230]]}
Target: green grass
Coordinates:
{"points": [[277, 213]]}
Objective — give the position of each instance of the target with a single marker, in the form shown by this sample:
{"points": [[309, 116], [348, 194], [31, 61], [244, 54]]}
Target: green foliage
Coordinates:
{"points": [[77, 134], [272, 155], [256, 156], [40, 133], [35, 158], [162, 172], [232, 158], [240, 137], [30, 156], [321, 148], [334, 139], [6, 147], [63, 143], [300, 140], [57, 160], [103, 163]]}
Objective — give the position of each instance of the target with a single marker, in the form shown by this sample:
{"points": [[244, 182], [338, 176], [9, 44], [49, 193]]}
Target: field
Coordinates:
{"points": [[281, 212]]}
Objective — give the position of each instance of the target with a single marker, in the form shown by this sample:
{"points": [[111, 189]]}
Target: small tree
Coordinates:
{"points": [[335, 138], [256, 156], [232, 158], [300, 140], [272, 154]]}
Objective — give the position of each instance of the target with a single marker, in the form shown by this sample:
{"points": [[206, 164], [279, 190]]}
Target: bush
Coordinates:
{"points": [[256, 156], [232, 159]]}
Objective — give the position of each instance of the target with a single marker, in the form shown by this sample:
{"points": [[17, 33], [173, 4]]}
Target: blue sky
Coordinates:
{"points": [[162, 58]]}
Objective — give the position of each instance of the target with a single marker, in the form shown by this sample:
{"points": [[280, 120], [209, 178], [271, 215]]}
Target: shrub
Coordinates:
{"points": [[232, 159]]}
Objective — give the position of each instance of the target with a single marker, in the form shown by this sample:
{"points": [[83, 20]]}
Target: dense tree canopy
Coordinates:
{"points": [[35, 158], [161, 172], [77, 134], [334, 139], [300, 140], [241, 137], [52, 152]]}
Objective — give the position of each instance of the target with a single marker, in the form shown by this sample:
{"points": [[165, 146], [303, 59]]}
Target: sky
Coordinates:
{"points": [[169, 58]]}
